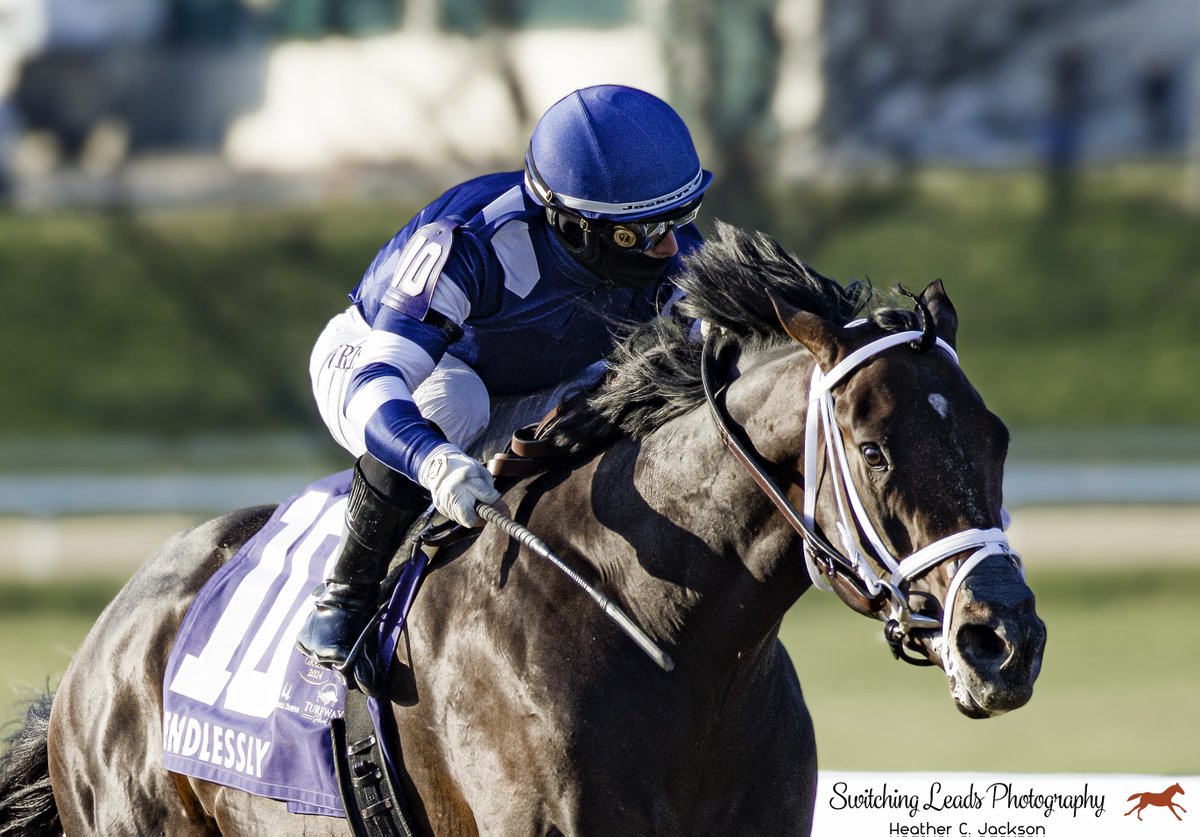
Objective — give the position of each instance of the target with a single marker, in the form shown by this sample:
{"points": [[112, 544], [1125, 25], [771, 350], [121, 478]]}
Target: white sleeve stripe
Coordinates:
{"points": [[450, 300], [514, 248], [411, 361], [511, 201], [367, 401]]}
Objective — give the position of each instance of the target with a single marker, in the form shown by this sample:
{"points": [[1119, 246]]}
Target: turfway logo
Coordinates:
{"points": [[1163, 800]]}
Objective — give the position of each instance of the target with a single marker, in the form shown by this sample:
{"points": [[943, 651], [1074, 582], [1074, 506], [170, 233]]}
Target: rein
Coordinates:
{"points": [[848, 573]]}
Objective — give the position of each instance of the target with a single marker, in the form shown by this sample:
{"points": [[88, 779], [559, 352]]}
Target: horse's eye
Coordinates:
{"points": [[873, 456]]}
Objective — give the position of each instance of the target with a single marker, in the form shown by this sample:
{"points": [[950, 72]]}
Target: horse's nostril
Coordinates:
{"points": [[980, 645]]}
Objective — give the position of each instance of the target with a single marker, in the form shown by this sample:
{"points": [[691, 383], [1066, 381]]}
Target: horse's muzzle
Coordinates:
{"points": [[997, 640]]}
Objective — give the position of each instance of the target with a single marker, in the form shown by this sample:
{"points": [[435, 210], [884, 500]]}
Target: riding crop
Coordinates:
{"points": [[519, 533]]}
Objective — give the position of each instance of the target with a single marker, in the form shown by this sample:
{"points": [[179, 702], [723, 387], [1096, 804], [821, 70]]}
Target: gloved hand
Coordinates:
{"points": [[457, 482]]}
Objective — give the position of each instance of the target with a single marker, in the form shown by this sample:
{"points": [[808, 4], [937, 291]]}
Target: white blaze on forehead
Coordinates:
{"points": [[939, 403]]}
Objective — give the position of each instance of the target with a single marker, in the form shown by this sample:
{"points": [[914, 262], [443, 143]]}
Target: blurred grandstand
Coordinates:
{"points": [[163, 101]]}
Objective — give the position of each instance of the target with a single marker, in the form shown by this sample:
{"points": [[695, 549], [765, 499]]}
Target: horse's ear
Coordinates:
{"points": [[941, 309], [811, 331]]}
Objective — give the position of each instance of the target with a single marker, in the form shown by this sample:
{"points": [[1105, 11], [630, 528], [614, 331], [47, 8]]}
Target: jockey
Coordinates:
{"points": [[482, 311]]}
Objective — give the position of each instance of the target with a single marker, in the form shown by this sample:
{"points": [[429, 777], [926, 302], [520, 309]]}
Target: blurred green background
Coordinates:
{"points": [[189, 189], [184, 323]]}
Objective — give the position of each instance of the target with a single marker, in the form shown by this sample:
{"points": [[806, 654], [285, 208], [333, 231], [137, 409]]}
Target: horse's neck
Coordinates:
{"points": [[710, 554]]}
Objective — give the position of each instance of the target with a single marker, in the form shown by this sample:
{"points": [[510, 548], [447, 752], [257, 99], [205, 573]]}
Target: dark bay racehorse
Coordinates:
{"points": [[526, 711]]}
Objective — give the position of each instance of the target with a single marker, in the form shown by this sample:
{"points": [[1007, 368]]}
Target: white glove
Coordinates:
{"points": [[457, 482]]}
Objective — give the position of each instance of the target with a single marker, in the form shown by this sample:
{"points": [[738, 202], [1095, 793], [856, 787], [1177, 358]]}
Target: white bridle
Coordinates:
{"points": [[984, 542]]}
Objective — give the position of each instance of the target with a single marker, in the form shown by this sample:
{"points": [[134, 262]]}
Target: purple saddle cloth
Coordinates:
{"points": [[241, 706]]}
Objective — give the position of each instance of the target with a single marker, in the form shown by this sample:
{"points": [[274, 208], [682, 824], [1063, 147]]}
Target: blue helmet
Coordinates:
{"points": [[613, 153]]}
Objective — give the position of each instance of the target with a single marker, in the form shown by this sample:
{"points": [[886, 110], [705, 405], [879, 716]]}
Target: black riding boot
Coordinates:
{"points": [[381, 507]]}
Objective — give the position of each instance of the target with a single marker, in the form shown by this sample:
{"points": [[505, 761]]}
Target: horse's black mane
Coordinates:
{"points": [[654, 373]]}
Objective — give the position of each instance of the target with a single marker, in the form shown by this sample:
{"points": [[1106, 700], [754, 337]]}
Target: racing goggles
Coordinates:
{"points": [[639, 236]]}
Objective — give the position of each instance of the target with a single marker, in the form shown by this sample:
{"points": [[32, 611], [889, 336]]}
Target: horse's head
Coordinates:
{"points": [[913, 465], [900, 461]]}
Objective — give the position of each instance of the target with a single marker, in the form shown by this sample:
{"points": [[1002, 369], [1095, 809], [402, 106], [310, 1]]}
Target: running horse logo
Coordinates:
{"points": [[1163, 799]]}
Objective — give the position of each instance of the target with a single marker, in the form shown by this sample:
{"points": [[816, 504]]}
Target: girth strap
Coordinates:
{"points": [[375, 806]]}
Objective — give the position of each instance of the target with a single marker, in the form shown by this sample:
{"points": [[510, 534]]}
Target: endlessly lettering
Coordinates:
{"points": [[215, 744]]}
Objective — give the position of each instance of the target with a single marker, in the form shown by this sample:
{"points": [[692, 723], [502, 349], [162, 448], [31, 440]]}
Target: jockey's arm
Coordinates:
{"points": [[397, 356], [415, 325]]}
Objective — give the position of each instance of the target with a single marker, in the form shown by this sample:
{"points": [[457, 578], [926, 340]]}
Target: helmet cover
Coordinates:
{"points": [[615, 153]]}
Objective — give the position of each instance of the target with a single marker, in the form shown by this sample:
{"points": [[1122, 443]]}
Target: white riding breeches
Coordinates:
{"points": [[453, 397]]}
